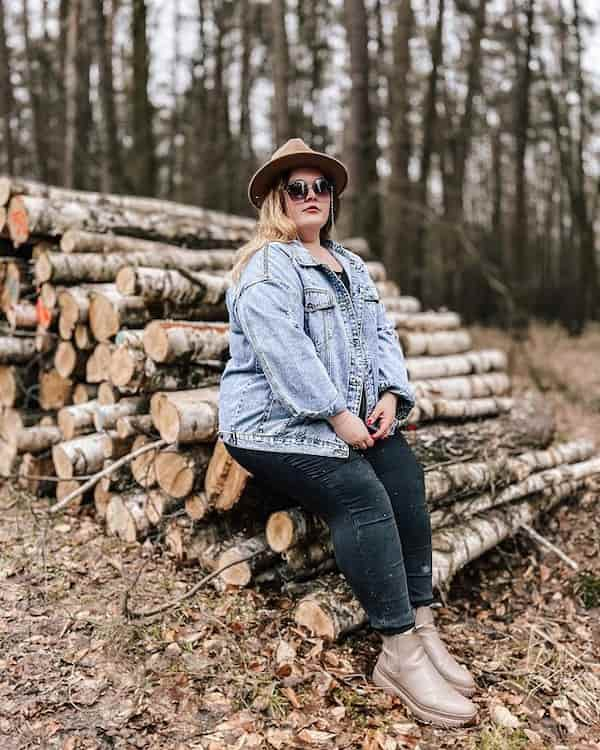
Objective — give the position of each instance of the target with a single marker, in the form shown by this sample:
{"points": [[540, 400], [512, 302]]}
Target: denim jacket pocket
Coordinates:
{"points": [[319, 309], [369, 325]]}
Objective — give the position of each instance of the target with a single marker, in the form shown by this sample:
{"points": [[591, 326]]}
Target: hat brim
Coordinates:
{"points": [[264, 177]]}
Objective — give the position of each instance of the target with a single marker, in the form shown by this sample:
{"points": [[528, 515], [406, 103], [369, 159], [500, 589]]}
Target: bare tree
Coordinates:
{"points": [[280, 57], [362, 192], [72, 89], [111, 172], [400, 219], [418, 264], [520, 250], [7, 100], [458, 142], [142, 156]]}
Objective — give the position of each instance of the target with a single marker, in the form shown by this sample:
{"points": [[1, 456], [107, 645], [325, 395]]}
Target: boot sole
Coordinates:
{"points": [[421, 712]]}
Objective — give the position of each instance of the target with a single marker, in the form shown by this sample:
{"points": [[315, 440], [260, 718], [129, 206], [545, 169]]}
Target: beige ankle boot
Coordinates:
{"points": [[444, 662], [404, 669]]}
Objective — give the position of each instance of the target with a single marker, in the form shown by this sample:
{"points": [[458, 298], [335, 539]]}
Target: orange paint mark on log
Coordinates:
{"points": [[43, 314], [18, 222]]}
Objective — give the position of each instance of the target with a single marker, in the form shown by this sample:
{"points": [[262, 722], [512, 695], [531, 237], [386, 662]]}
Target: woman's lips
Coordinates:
{"points": [[311, 208]]}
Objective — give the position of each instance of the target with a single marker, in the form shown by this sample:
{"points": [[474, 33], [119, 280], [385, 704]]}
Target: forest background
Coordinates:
{"points": [[470, 127]]}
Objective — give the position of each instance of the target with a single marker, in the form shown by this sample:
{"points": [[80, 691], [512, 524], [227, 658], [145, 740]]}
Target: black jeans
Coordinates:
{"points": [[374, 504]]}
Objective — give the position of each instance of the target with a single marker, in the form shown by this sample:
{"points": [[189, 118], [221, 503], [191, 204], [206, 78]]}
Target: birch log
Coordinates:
{"points": [[158, 504], [497, 470], [168, 342], [74, 303], [428, 409], [98, 364], [186, 416], [125, 516], [82, 455], [55, 391], [105, 417], [135, 424], [16, 384], [242, 573], [225, 479], [143, 466], [169, 222], [110, 311], [436, 344], [16, 350], [425, 321], [21, 315], [530, 425], [76, 241], [404, 304], [182, 473], [477, 362], [465, 387], [180, 287]]}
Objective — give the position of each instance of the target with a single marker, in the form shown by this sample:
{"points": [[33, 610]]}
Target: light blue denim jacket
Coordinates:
{"points": [[302, 349]]}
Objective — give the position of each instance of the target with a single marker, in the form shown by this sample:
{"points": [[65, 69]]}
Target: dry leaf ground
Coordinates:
{"points": [[233, 671]]}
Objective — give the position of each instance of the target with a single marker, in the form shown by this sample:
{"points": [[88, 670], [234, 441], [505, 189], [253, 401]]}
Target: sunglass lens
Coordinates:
{"points": [[321, 186], [297, 190]]}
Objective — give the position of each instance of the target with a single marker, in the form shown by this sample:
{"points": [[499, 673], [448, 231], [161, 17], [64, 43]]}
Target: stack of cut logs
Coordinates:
{"points": [[111, 355]]}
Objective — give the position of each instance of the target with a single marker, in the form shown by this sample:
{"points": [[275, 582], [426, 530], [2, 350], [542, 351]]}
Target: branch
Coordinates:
{"points": [[105, 472], [187, 595]]}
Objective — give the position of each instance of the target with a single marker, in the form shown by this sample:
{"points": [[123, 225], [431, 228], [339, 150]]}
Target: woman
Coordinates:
{"points": [[309, 404]]}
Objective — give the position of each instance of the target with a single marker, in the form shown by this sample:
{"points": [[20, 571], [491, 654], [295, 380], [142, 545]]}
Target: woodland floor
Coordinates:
{"points": [[233, 671]]}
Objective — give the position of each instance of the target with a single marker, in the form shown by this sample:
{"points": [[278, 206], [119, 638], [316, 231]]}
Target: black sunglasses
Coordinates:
{"points": [[298, 189]]}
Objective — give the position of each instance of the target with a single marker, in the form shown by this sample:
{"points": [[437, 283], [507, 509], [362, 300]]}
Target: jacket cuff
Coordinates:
{"points": [[404, 403], [336, 407]]}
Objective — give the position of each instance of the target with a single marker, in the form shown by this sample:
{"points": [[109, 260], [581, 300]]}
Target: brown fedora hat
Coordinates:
{"points": [[295, 153]]}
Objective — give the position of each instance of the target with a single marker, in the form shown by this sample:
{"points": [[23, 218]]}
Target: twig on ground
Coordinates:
{"points": [[105, 472], [558, 646], [544, 542], [123, 609], [187, 595]]}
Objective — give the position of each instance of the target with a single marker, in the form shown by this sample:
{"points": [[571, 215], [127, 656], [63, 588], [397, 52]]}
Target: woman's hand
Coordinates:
{"points": [[385, 410], [351, 429]]}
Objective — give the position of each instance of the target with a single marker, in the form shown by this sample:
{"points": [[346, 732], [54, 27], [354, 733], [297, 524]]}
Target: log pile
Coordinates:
{"points": [[116, 337]]}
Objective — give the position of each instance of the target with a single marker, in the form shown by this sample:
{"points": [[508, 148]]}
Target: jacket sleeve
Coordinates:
{"points": [[271, 314], [393, 375]]}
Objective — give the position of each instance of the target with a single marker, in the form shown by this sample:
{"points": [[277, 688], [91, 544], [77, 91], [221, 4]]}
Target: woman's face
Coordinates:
{"points": [[311, 213]]}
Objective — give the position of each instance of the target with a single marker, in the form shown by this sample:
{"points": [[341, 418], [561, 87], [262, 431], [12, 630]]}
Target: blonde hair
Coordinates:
{"points": [[274, 225]]}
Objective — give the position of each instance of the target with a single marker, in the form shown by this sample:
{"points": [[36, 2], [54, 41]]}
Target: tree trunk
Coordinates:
{"points": [[111, 175], [280, 68], [142, 156], [7, 99], [400, 217], [361, 194]]}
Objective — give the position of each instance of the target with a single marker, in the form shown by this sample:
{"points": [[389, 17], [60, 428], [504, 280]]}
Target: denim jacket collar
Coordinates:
{"points": [[305, 257]]}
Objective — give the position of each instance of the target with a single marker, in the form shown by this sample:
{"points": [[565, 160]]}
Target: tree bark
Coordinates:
{"points": [[186, 416], [153, 220]]}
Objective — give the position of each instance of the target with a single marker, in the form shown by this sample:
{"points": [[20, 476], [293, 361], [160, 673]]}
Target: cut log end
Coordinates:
{"points": [[123, 366], [104, 318], [237, 575], [156, 341], [280, 531], [17, 221], [126, 280], [310, 614]]}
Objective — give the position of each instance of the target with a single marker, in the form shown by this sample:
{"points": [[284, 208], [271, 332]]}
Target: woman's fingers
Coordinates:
{"points": [[384, 426]]}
